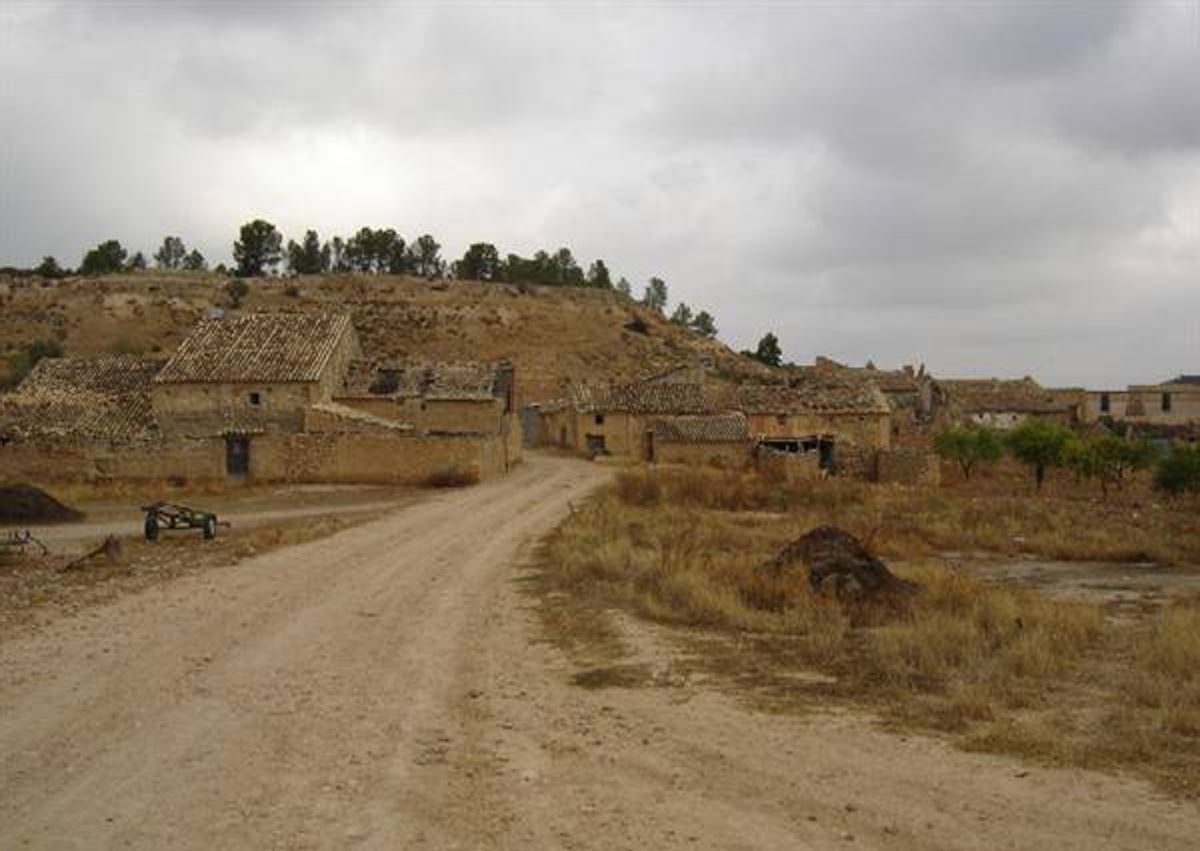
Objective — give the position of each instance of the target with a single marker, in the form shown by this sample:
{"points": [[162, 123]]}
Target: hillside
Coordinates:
{"points": [[554, 335]]}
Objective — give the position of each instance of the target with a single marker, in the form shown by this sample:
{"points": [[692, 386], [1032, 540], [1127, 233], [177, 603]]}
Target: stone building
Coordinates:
{"points": [[265, 397], [719, 440], [617, 420], [1171, 403], [1005, 403]]}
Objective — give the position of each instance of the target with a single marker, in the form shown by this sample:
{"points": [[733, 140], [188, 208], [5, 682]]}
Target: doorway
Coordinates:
{"points": [[237, 454]]}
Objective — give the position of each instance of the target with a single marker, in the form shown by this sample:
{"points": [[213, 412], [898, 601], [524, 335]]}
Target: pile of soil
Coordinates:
{"points": [[27, 504], [838, 562]]}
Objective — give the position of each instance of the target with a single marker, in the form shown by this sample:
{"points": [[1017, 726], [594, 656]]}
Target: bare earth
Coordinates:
{"points": [[385, 688]]}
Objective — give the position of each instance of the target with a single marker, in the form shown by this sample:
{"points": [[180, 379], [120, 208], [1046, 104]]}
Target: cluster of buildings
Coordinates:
{"points": [[271, 397], [290, 397]]}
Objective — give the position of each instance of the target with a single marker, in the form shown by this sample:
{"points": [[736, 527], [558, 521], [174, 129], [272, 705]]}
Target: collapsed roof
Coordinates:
{"points": [[461, 380], [105, 398]]}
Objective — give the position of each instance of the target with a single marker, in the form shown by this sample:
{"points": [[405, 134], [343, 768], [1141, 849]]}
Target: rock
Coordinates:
{"points": [[838, 564]]}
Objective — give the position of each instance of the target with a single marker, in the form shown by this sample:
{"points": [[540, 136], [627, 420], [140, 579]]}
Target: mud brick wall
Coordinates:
{"points": [[727, 456]]}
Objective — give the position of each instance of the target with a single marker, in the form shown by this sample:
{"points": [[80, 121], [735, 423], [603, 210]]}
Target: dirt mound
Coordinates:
{"points": [[27, 504], [838, 563]]}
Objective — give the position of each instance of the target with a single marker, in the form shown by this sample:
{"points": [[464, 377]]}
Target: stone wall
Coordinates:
{"points": [[866, 430], [728, 456], [199, 410], [369, 458], [190, 460], [790, 466]]}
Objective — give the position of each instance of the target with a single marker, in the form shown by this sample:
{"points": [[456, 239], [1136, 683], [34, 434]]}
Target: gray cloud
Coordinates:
{"points": [[993, 187]]}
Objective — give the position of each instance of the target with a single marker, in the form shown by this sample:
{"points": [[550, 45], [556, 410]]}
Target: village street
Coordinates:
{"points": [[387, 687]]}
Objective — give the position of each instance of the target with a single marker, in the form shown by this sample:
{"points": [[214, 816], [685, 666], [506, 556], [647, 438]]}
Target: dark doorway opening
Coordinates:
{"points": [[595, 445], [237, 454]]}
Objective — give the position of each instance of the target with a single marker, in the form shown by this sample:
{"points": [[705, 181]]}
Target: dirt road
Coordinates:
{"points": [[385, 688]]}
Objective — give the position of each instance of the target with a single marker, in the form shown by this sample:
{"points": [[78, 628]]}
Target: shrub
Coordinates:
{"points": [[969, 445], [1039, 445], [451, 477], [1179, 472]]}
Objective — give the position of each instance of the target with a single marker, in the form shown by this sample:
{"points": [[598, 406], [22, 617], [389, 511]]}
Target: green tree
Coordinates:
{"points": [[105, 259], [1039, 445], [624, 288], [309, 257], [338, 261], [598, 276], [171, 254], [1178, 472], [195, 261], [258, 250], [425, 256], [968, 446], [481, 262], [566, 270], [704, 324], [655, 296], [768, 350], [49, 268], [682, 315], [136, 262]]}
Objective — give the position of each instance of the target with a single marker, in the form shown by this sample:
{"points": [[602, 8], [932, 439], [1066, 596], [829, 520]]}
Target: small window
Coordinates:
{"points": [[255, 398], [1166, 401], [1105, 403], [599, 419]]}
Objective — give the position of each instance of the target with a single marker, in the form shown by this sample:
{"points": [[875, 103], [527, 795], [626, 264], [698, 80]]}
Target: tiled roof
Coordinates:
{"points": [[715, 428], [994, 395], [465, 380], [642, 397], [104, 398], [256, 348], [888, 380], [811, 391]]}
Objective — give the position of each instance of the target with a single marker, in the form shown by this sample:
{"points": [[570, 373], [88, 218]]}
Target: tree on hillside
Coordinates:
{"points": [[481, 262], [425, 256], [655, 296], [566, 270], [598, 276], [968, 446], [682, 315], [1179, 472], [237, 290], [105, 259], [704, 324], [258, 250], [136, 262], [624, 288], [195, 261], [49, 268], [309, 257], [768, 351], [1039, 445], [171, 253]]}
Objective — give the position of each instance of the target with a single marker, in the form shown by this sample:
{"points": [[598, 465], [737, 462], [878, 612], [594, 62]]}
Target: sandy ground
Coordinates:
{"points": [[386, 688]]}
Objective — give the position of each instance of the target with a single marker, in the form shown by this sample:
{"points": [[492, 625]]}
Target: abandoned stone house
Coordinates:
{"points": [[719, 440], [618, 420], [910, 391], [1005, 403], [1171, 403], [266, 397], [681, 417]]}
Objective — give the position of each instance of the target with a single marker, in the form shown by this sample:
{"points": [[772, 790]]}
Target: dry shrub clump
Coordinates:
{"points": [[451, 477], [1005, 667]]}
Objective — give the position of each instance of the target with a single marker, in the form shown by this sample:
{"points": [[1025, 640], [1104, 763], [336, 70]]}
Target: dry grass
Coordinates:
{"points": [[911, 522], [1001, 667]]}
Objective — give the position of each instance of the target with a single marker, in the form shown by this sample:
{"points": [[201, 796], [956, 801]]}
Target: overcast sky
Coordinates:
{"points": [[1003, 188]]}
